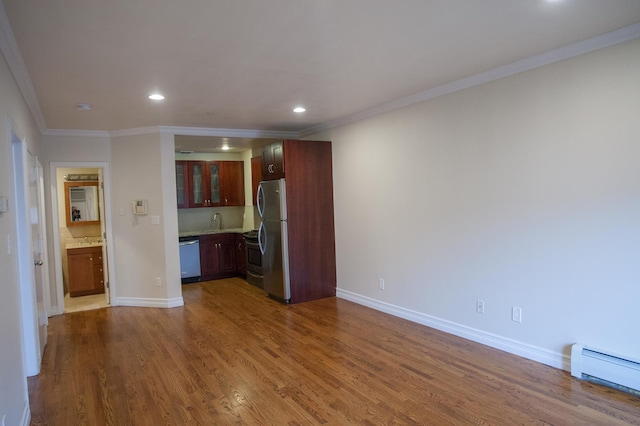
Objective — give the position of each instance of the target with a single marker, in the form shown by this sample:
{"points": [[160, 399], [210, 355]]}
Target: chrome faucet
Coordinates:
{"points": [[214, 218]]}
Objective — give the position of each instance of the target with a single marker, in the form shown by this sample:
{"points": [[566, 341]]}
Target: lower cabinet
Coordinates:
{"points": [[241, 256], [218, 256], [85, 271]]}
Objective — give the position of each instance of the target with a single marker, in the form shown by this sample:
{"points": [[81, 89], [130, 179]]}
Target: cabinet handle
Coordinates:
{"points": [[91, 258]]}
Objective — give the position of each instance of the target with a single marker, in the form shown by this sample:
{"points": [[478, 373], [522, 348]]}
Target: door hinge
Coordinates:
{"points": [[107, 285]]}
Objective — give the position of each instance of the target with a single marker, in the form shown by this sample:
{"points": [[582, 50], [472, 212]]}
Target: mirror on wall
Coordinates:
{"points": [[81, 200]]}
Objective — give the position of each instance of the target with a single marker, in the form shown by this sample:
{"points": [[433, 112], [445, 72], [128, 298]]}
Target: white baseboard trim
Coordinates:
{"points": [[544, 356], [55, 310], [144, 302], [26, 414]]}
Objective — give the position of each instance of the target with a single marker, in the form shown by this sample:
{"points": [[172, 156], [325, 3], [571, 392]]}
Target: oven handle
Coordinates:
{"points": [[252, 244], [260, 242]]}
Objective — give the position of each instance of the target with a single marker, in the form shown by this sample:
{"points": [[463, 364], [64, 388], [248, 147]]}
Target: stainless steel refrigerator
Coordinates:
{"points": [[272, 237]]}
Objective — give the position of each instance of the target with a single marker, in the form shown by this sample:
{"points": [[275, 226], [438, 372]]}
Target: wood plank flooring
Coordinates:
{"points": [[232, 356]]}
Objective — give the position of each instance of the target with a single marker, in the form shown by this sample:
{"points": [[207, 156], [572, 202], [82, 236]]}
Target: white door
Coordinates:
{"points": [[29, 256], [37, 246], [103, 230]]}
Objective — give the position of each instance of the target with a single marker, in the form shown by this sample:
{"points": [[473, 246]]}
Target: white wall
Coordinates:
{"points": [[143, 168], [521, 192], [13, 384]]}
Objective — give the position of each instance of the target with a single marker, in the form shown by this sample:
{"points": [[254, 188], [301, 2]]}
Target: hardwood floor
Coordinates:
{"points": [[233, 356]]}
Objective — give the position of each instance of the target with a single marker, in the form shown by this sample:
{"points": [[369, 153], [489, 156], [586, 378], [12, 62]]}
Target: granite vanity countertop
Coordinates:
{"points": [[83, 245], [213, 231]]}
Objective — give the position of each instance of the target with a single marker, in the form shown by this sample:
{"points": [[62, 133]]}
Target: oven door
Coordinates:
{"points": [[254, 262]]}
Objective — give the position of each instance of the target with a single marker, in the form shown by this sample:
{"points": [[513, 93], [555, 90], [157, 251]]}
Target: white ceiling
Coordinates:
{"points": [[244, 64]]}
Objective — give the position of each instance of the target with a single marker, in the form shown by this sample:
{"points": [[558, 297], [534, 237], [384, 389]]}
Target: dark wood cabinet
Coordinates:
{"points": [[198, 193], [306, 166], [85, 270], [256, 176], [209, 183], [182, 184], [231, 183], [217, 256], [241, 257], [273, 166]]}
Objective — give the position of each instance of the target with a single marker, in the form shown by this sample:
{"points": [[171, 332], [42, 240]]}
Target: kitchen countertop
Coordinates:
{"points": [[214, 231]]}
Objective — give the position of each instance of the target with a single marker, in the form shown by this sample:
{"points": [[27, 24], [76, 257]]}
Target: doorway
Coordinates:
{"points": [[82, 234]]}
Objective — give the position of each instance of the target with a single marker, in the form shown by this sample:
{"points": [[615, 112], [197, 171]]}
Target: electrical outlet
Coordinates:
{"points": [[381, 284], [480, 306], [158, 282], [516, 314]]}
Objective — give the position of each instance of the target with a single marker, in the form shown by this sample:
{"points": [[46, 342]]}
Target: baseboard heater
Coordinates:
{"points": [[605, 368]]}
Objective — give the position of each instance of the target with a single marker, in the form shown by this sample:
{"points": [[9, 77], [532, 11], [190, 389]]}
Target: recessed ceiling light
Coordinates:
{"points": [[299, 109], [156, 97], [83, 107], [225, 147]]}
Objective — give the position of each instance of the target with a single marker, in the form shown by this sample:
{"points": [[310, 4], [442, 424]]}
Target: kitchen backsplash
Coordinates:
{"points": [[200, 219]]}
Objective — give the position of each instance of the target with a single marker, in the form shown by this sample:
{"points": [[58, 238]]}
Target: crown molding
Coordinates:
{"points": [[615, 37], [12, 55], [230, 133], [174, 130], [205, 131], [77, 133]]}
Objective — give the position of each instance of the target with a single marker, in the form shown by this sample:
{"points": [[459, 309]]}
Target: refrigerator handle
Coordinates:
{"points": [[260, 240], [260, 200]]}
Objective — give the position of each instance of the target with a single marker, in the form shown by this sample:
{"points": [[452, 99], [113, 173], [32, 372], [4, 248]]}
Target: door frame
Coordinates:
{"points": [[106, 174], [31, 350]]}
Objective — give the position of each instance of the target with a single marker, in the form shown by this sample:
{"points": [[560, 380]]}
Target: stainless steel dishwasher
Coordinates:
{"points": [[189, 259]]}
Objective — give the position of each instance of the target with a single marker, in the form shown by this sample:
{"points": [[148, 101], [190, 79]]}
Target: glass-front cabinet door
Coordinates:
{"points": [[197, 183], [214, 183], [181, 180]]}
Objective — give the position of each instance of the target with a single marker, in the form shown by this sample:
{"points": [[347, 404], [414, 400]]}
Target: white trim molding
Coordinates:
{"points": [[544, 356], [13, 56], [78, 133], [145, 302], [174, 130], [26, 414]]}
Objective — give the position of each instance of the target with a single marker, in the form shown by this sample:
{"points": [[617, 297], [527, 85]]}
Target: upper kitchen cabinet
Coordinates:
{"points": [[232, 183], [209, 183], [256, 176], [273, 161], [182, 188], [199, 194]]}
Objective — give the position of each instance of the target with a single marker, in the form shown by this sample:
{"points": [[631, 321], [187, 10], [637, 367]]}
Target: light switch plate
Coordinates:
{"points": [[155, 220], [4, 204]]}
